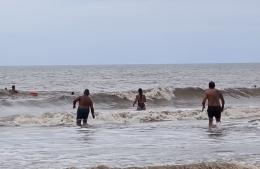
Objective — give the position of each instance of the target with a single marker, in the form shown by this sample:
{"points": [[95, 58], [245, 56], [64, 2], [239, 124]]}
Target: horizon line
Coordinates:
{"points": [[129, 64]]}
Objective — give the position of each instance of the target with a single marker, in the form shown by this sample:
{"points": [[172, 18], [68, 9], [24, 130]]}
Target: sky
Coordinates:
{"points": [[83, 32]]}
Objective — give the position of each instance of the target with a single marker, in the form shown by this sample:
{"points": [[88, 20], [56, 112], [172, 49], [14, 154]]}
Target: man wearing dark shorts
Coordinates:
{"points": [[85, 103], [214, 108]]}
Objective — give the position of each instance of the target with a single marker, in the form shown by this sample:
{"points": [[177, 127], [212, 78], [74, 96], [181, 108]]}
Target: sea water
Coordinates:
{"points": [[41, 132]]}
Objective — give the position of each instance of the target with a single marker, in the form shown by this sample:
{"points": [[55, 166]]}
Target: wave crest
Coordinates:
{"points": [[212, 165], [154, 95], [45, 120]]}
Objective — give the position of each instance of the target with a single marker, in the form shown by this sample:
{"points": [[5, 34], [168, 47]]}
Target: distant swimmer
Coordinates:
{"points": [[214, 108], [140, 100], [13, 90], [85, 103]]}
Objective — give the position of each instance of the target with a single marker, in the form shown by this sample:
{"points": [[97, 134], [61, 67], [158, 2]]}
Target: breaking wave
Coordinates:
{"points": [[68, 119], [44, 120], [210, 165], [155, 96]]}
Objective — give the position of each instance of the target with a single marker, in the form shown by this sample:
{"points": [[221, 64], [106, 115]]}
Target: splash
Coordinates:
{"points": [[68, 119]]}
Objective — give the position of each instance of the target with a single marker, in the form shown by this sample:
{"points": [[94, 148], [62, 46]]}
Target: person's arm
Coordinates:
{"points": [[204, 101], [75, 101], [222, 101], [136, 99], [92, 109]]}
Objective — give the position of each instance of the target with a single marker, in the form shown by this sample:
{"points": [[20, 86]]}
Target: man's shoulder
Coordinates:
{"points": [[82, 97], [218, 91], [86, 97], [207, 90], [211, 91], [89, 98]]}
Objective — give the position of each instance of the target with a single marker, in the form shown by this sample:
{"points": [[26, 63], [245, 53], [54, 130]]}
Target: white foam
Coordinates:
{"points": [[127, 116], [46, 119], [212, 165]]}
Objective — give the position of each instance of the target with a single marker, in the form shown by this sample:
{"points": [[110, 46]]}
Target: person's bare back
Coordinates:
{"points": [[213, 96], [140, 99], [85, 101]]}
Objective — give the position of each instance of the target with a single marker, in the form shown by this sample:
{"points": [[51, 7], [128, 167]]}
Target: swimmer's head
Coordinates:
{"points": [[86, 92], [140, 91], [211, 85]]}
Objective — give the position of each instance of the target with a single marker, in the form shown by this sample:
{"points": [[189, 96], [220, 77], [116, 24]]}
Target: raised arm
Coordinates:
{"points": [[75, 101]]}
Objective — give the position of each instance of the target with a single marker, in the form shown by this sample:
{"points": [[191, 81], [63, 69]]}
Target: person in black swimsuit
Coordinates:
{"points": [[140, 100]]}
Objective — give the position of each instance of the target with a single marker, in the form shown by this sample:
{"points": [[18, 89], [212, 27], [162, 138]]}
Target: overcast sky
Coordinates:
{"points": [[58, 32]]}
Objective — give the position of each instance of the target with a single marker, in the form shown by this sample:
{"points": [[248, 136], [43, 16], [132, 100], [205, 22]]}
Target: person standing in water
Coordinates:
{"points": [[85, 103], [13, 90], [140, 100], [214, 108]]}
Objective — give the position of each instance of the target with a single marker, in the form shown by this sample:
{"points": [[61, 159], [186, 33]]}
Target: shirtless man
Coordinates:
{"points": [[214, 108], [141, 99], [83, 109]]}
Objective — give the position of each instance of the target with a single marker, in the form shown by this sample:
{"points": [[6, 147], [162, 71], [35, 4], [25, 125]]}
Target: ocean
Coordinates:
{"points": [[41, 132]]}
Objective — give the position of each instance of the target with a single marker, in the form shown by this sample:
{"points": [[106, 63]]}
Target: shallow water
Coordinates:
{"points": [[122, 145], [40, 132]]}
